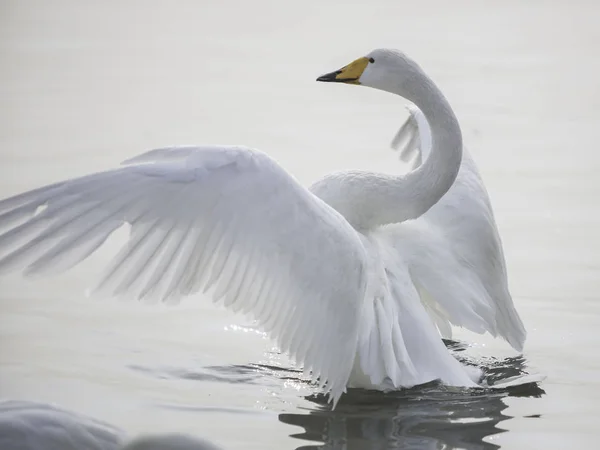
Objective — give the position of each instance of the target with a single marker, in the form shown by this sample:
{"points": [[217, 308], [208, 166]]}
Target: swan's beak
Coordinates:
{"points": [[349, 74]]}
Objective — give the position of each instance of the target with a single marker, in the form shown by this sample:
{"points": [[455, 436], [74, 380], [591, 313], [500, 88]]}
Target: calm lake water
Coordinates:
{"points": [[85, 85]]}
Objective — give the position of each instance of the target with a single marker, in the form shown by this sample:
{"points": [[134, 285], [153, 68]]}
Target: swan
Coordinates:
{"points": [[355, 277], [28, 425]]}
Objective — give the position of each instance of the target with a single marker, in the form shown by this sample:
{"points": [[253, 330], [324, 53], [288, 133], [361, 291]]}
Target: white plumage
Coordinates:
{"points": [[38, 426], [342, 275], [458, 235]]}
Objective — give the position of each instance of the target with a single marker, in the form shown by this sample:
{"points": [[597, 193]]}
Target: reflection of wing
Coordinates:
{"points": [[222, 217], [421, 418], [454, 250]]}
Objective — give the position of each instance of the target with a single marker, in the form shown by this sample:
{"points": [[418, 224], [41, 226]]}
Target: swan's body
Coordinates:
{"points": [[342, 276], [38, 426]]}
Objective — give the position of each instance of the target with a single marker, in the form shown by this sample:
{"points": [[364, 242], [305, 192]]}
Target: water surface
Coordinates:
{"points": [[85, 85]]}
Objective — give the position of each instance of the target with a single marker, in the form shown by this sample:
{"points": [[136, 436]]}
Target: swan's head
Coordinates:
{"points": [[384, 69]]}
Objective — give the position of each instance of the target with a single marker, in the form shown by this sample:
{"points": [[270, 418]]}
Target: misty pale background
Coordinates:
{"points": [[85, 85]]}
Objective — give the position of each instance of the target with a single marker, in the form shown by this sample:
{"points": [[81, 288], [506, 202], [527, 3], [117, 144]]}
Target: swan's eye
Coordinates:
{"points": [[371, 60]]}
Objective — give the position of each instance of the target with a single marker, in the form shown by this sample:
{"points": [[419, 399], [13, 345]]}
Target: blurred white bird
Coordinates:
{"points": [[350, 276], [38, 426]]}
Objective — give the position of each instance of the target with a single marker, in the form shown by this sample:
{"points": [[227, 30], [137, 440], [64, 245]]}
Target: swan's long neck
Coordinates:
{"points": [[368, 199], [420, 189]]}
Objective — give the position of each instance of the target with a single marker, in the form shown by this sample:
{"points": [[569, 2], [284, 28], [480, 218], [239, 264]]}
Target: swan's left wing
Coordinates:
{"points": [[227, 219]]}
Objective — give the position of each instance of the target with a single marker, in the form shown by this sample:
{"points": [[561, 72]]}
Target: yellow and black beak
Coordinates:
{"points": [[349, 74]]}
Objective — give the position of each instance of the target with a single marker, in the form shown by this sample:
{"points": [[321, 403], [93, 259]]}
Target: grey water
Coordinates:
{"points": [[86, 85]]}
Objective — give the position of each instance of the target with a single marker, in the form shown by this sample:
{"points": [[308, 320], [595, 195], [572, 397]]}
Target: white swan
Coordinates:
{"points": [[342, 275], [38, 426]]}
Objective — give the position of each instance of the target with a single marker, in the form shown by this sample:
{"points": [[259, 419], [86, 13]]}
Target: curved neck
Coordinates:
{"points": [[421, 188], [368, 200]]}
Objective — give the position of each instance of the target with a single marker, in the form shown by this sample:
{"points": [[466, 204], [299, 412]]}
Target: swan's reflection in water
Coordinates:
{"points": [[427, 417], [370, 420]]}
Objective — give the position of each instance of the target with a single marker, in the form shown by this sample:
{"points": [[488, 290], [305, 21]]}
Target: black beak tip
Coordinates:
{"points": [[329, 77]]}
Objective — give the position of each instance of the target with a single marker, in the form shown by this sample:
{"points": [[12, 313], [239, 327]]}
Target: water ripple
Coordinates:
{"points": [[430, 416]]}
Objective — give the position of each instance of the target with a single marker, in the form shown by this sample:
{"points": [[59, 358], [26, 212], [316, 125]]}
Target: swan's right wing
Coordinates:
{"points": [[454, 250], [222, 218], [413, 139]]}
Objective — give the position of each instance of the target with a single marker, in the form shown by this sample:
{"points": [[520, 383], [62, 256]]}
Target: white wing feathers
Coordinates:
{"points": [[454, 250], [413, 139], [228, 219]]}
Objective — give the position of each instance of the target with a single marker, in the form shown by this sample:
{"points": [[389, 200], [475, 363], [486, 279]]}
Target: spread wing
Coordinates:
{"points": [[227, 220], [454, 250]]}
